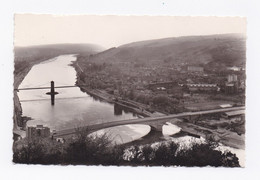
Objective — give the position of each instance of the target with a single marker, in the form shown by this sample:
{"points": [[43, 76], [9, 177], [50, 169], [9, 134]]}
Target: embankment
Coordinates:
{"points": [[111, 99]]}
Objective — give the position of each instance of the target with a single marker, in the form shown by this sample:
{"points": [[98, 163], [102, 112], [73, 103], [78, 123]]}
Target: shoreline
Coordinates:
{"points": [[109, 98], [135, 108], [105, 96], [19, 121]]}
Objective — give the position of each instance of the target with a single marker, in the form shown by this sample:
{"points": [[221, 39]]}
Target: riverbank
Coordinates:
{"points": [[111, 99], [101, 94], [19, 121]]}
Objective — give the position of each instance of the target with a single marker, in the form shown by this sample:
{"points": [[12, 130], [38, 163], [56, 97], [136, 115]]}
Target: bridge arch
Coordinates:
{"points": [[156, 123]]}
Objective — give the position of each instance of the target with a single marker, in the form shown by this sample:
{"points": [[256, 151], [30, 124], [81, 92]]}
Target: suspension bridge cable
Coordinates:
{"points": [[37, 86], [56, 87], [45, 99]]}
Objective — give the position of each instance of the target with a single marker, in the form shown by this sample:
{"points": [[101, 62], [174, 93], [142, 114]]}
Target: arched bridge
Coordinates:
{"points": [[156, 123]]}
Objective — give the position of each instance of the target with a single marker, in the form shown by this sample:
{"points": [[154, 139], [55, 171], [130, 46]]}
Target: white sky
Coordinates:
{"points": [[112, 31]]}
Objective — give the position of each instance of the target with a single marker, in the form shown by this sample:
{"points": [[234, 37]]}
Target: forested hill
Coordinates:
{"points": [[224, 50], [34, 53]]}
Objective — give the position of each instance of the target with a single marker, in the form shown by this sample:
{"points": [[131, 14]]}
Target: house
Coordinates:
{"points": [[61, 140], [39, 131]]}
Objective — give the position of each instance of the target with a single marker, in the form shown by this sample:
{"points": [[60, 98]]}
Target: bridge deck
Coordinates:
{"points": [[147, 120]]}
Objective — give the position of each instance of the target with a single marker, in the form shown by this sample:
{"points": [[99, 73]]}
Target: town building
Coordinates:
{"points": [[234, 68], [202, 87], [232, 78], [225, 105], [38, 131], [235, 115], [231, 88]]}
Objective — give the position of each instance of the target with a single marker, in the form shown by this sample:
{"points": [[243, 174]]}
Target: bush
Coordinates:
{"points": [[98, 150], [172, 154], [205, 155], [38, 151]]}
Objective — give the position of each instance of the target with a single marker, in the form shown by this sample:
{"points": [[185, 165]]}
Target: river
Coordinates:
{"points": [[73, 108]]}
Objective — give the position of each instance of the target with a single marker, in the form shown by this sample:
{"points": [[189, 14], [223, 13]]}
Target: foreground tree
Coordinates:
{"points": [[172, 154], [99, 150]]}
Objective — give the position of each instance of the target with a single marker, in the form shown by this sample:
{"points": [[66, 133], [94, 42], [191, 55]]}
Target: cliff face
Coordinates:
{"points": [[18, 78], [17, 111]]}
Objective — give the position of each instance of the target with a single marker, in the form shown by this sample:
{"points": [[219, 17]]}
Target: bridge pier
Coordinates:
{"points": [[52, 93], [156, 128], [193, 119], [156, 123]]}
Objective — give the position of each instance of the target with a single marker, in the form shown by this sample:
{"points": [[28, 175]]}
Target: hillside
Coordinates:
{"points": [[226, 50]]}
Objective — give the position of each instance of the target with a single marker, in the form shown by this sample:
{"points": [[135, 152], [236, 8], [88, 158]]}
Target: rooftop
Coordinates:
{"points": [[225, 105], [234, 113], [202, 85]]}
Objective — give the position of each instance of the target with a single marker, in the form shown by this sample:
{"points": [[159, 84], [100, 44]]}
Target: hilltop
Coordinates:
{"points": [[225, 49]]}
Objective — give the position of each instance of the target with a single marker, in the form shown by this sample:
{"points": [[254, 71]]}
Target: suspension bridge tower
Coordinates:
{"points": [[52, 93]]}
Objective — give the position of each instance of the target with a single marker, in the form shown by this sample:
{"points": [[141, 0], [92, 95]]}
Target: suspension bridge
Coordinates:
{"points": [[52, 88]]}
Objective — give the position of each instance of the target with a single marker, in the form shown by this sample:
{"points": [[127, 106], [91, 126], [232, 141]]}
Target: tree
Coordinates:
{"points": [[205, 155], [85, 149], [31, 152], [160, 100], [96, 150]]}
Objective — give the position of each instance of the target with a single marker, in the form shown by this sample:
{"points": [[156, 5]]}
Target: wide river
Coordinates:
{"points": [[73, 108]]}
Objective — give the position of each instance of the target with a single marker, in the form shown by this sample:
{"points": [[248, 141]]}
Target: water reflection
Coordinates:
{"points": [[72, 106], [118, 110]]}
